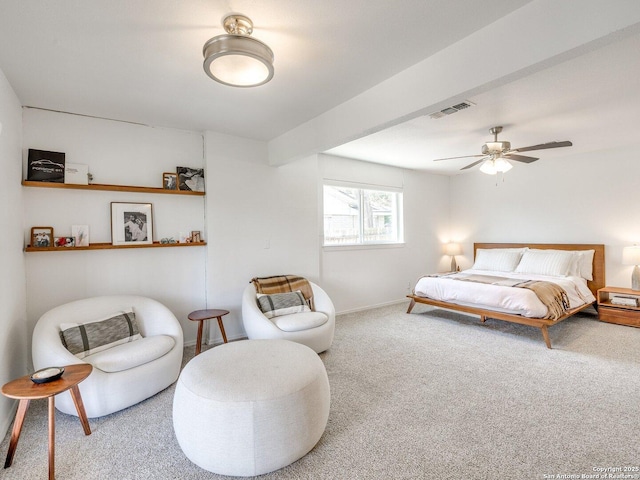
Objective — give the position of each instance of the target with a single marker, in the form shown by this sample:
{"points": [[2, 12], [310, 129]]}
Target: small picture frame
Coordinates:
{"points": [[81, 235], [195, 236], [42, 237], [190, 179], [170, 181], [131, 223], [64, 242]]}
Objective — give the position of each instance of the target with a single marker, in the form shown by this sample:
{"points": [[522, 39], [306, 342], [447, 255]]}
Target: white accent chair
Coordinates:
{"points": [[318, 338], [137, 370]]}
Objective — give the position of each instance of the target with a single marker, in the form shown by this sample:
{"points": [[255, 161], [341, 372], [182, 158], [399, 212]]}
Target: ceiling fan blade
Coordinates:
{"points": [[520, 158], [471, 165], [542, 146], [455, 158]]}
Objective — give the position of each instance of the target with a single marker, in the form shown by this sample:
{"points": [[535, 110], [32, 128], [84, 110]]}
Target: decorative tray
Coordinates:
{"points": [[48, 374]]}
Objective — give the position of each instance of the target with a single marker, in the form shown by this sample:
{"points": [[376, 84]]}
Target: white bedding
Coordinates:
{"points": [[520, 301]]}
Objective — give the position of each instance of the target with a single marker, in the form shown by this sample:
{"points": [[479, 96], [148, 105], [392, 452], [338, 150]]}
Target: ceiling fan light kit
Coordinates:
{"points": [[235, 58], [496, 155], [493, 166]]}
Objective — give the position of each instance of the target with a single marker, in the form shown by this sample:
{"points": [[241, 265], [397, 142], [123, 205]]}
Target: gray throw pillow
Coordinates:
{"points": [[278, 304], [84, 339]]}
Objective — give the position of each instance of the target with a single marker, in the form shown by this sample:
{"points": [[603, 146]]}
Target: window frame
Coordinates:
{"points": [[361, 187]]}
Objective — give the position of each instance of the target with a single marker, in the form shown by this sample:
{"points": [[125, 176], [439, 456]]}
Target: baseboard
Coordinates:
{"points": [[230, 338], [369, 307]]}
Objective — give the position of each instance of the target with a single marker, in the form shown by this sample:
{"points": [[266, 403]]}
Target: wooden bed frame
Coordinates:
{"points": [[541, 323]]}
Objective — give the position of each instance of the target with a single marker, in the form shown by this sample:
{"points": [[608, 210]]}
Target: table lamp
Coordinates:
{"points": [[631, 256], [453, 249]]}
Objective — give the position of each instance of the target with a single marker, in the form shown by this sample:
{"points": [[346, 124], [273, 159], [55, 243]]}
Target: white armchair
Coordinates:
{"points": [[134, 371], [258, 326]]}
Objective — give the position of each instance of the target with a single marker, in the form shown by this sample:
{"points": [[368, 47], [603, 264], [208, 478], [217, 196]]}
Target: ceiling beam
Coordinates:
{"points": [[540, 34]]}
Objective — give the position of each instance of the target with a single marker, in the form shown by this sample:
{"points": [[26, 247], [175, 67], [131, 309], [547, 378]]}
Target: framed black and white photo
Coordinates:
{"points": [[190, 179], [131, 223], [42, 237], [170, 181]]}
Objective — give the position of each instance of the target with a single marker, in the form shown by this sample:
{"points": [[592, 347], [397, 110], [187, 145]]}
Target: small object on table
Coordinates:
{"points": [[46, 375], [26, 389], [201, 316]]}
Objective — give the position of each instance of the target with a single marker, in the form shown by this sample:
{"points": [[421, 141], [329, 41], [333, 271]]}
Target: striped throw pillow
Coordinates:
{"points": [[84, 339], [278, 304]]}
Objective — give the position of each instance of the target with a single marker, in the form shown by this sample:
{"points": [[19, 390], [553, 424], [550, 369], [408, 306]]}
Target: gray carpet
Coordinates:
{"points": [[433, 394]]}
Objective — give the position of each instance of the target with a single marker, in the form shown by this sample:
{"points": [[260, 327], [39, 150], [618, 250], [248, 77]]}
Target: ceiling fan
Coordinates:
{"points": [[496, 154]]}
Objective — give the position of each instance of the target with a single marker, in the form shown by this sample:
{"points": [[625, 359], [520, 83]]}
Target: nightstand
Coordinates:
{"points": [[615, 313]]}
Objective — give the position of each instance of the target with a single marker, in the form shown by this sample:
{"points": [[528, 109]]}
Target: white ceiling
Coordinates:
{"points": [[141, 61], [592, 100]]}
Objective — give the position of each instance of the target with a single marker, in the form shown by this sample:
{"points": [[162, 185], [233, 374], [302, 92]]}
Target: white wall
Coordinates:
{"points": [[117, 153], [261, 221], [14, 359], [588, 198], [264, 220], [360, 277]]}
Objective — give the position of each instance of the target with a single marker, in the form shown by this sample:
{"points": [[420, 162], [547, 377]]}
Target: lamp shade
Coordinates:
{"points": [[452, 249], [631, 255]]}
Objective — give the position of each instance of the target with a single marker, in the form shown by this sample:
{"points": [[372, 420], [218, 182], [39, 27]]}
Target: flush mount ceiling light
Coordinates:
{"points": [[236, 59]]}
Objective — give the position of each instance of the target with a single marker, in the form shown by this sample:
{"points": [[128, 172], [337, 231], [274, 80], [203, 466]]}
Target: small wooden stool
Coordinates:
{"points": [[25, 390], [201, 316]]}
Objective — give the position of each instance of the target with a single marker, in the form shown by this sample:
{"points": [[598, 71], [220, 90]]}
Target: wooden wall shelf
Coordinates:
{"points": [[110, 188], [108, 246]]}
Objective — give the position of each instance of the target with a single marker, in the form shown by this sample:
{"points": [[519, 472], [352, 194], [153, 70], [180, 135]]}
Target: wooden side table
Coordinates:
{"points": [[25, 390], [201, 316], [615, 313]]}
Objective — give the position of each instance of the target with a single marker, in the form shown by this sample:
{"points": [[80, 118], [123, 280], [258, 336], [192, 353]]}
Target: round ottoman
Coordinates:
{"points": [[250, 407]]}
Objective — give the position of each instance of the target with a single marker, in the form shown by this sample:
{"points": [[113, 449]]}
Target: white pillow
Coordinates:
{"points": [[498, 259], [581, 264], [546, 262], [585, 263]]}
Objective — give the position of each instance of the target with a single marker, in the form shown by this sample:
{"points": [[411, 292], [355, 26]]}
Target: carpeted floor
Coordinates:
{"points": [[431, 395]]}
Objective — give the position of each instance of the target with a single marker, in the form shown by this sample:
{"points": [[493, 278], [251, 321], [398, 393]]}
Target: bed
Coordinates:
{"points": [[493, 287]]}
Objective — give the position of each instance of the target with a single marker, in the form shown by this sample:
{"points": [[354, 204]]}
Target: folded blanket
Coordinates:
{"points": [[553, 296], [284, 284]]}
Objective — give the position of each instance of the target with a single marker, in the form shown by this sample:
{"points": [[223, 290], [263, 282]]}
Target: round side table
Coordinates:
{"points": [[25, 390], [201, 316]]}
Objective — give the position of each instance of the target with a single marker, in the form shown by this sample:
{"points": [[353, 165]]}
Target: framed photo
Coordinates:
{"points": [[195, 236], [170, 181], [81, 235], [42, 237], [131, 223], [64, 242], [190, 179], [45, 166]]}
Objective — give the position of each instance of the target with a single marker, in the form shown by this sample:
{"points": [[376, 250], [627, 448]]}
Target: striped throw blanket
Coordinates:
{"points": [[283, 284], [553, 296]]}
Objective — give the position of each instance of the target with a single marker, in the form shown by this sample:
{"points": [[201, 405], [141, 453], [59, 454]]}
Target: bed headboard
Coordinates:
{"points": [[598, 258]]}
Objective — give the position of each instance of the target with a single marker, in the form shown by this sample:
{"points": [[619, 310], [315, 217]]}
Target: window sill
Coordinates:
{"points": [[374, 246]]}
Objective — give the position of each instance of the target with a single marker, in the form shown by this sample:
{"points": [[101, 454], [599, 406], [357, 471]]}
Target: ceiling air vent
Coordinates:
{"points": [[452, 109]]}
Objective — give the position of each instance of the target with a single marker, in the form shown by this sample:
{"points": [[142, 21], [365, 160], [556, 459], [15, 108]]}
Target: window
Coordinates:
{"points": [[361, 216]]}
